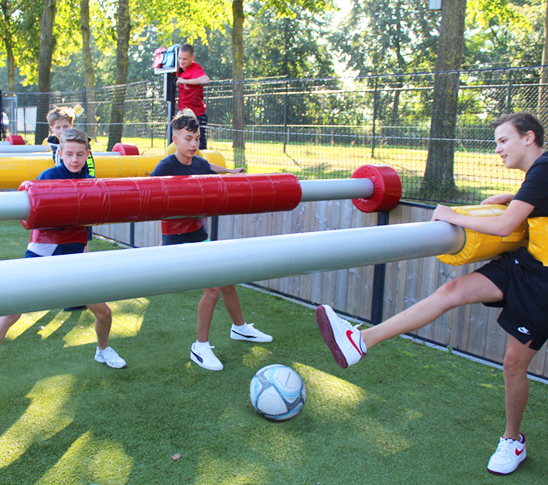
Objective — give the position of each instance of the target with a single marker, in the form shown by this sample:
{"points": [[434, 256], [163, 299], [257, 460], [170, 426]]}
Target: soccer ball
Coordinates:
{"points": [[277, 392]]}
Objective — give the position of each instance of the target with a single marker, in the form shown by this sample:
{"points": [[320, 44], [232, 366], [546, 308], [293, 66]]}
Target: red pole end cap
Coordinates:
{"points": [[125, 149], [386, 188], [15, 139]]}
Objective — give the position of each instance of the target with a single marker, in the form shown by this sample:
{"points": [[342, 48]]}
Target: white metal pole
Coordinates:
{"points": [[24, 148], [14, 206], [56, 282], [44, 153]]}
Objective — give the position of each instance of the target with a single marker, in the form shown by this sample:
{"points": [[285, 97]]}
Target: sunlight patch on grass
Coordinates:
{"points": [[327, 394], [256, 357], [51, 328], [51, 409], [91, 460], [26, 321], [127, 320]]}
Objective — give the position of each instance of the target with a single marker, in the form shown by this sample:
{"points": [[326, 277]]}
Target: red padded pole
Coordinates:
{"points": [[65, 203]]}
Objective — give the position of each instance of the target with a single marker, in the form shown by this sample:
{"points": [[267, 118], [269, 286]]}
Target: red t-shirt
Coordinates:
{"points": [[192, 95]]}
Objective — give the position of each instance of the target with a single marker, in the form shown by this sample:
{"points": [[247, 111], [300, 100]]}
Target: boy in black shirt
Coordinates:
{"points": [[517, 281]]}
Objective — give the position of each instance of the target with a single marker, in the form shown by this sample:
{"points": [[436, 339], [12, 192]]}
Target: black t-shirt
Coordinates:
{"points": [[171, 166], [534, 189]]}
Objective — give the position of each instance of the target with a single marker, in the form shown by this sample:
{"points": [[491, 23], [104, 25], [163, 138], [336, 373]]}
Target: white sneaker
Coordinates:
{"points": [[204, 357], [344, 340], [110, 357], [510, 453], [248, 332]]}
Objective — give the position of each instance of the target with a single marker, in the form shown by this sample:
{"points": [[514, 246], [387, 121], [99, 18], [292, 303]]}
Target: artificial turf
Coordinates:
{"points": [[406, 414]]}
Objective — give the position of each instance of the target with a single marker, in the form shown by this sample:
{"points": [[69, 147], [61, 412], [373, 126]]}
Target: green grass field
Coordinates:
{"points": [[407, 414]]}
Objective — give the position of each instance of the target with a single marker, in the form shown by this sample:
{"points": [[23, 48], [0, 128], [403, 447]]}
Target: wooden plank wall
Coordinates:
{"points": [[472, 329]]}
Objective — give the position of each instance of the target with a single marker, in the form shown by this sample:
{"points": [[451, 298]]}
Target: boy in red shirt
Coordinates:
{"points": [[191, 80]]}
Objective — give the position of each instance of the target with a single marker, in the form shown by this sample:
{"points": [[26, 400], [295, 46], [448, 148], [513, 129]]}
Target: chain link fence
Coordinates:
{"points": [[324, 128]]}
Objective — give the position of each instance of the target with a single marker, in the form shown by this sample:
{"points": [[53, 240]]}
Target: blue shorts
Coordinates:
{"points": [[68, 248]]}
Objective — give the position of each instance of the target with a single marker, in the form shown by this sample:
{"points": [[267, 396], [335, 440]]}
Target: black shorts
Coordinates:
{"points": [[524, 282]]}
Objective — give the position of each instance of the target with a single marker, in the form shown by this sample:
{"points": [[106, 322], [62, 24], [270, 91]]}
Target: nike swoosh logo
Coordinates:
{"points": [[519, 452], [349, 336]]}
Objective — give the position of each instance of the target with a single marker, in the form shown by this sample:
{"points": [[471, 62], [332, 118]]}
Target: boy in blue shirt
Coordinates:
{"points": [[74, 151]]}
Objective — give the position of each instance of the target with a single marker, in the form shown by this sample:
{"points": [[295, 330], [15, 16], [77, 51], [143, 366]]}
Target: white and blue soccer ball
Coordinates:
{"points": [[277, 392]]}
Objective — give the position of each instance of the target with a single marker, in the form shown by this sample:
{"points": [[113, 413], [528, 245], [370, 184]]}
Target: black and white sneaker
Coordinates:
{"points": [[248, 332]]}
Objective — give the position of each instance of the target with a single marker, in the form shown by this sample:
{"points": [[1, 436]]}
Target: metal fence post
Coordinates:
{"points": [[373, 135]]}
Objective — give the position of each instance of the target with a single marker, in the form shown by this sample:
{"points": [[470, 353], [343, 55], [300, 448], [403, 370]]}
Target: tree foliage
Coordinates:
{"points": [[385, 36]]}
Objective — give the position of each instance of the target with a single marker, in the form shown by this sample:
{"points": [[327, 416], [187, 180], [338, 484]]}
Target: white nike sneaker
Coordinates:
{"points": [[204, 357], [344, 340], [110, 357], [510, 453], [248, 332]]}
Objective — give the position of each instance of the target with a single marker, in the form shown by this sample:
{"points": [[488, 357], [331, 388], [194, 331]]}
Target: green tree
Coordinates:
{"points": [[438, 179], [47, 45], [238, 17], [294, 43], [387, 36]]}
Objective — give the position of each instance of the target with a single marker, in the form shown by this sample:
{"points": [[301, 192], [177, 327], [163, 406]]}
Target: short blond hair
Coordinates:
{"points": [[60, 113], [76, 136]]}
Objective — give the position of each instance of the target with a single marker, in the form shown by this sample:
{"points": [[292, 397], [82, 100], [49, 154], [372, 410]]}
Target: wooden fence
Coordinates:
{"points": [[359, 292]]}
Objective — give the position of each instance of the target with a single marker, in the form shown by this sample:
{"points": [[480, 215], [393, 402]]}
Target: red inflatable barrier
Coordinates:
{"points": [[125, 149], [65, 203], [387, 188], [15, 139]]}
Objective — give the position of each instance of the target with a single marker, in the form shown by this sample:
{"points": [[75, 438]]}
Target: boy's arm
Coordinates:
{"points": [[219, 169], [197, 80], [502, 225], [499, 199]]}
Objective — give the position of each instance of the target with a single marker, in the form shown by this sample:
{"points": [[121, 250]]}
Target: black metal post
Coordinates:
{"points": [[378, 279]]}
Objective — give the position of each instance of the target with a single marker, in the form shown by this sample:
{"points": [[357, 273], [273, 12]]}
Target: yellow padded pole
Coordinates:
{"points": [[481, 247]]}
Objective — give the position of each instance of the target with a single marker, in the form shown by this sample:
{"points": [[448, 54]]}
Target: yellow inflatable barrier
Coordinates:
{"points": [[15, 170], [212, 156], [481, 247]]}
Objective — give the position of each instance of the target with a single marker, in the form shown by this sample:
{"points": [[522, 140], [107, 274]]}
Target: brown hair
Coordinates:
{"points": [[60, 113], [524, 123]]}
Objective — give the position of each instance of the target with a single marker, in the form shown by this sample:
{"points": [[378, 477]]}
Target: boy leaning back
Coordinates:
{"points": [[517, 282], [186, 136], [74, 151]]}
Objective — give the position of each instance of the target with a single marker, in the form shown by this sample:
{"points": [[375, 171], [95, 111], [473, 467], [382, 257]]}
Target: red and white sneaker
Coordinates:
{"points": [[510, 453], [344, 340]]}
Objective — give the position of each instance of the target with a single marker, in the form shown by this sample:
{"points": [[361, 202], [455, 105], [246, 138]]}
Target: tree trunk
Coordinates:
{"points": [[238, 119], [47, 45], [542, 108], [439, 182], [122, 47], [88, 70]]}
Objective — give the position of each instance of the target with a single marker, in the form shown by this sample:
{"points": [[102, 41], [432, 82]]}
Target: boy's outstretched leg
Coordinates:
{"points": [[348, 345]]}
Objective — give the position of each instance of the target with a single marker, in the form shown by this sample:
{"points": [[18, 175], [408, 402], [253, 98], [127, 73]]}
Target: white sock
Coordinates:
{"points": [[198, 345], [363, 347]]}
